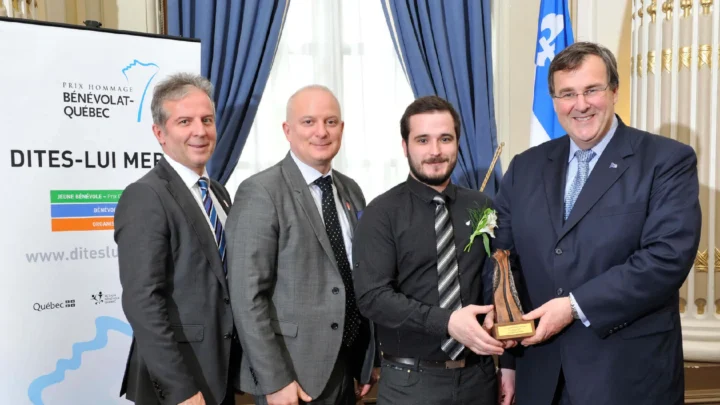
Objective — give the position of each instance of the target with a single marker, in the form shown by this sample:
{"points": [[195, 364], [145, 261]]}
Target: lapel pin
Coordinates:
{"points": [[467, 223], [347, 205], [613, 165]]}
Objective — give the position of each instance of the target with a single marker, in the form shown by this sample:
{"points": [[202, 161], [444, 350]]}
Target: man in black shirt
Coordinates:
{"points": [[416, 282]]}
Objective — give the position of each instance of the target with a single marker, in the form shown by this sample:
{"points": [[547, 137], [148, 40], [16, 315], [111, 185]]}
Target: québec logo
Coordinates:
{"points": [[39, 307]]}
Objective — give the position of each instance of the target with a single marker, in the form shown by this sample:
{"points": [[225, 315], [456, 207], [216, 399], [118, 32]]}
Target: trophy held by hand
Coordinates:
{"points": [[508, 311]]}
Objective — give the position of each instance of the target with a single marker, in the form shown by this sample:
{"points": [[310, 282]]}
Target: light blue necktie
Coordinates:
{"points": [[583, 170], [214, 219]]}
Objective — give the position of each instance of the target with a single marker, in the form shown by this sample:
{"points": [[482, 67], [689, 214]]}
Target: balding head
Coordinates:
{"points": [[302, 92], [313, 126]]}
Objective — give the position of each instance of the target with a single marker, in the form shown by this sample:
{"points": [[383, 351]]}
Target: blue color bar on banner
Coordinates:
{"points": [[82, 210]]}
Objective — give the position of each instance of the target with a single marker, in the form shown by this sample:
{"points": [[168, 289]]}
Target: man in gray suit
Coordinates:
{"points": [[290, 277], [171, 251]]}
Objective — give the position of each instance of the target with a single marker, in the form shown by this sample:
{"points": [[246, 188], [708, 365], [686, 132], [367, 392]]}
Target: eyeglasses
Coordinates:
{"points": [[588, 94]]}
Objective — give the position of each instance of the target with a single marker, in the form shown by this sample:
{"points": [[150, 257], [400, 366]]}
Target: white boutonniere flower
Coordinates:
{"points": [[484, 222]]}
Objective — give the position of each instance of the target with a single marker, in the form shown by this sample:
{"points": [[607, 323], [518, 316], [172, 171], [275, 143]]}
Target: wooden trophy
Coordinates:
{"points": [[508, 311]]}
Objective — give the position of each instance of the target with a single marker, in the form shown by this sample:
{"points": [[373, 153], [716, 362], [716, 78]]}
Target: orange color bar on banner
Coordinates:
{"points": [[83, 224]]}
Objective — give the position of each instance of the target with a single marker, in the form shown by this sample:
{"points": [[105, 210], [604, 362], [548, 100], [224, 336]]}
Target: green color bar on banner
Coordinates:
{"points": [[84, 196]]}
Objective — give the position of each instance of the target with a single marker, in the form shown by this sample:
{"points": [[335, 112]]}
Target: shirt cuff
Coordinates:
{"points": [[580, 313], [506, 360]]}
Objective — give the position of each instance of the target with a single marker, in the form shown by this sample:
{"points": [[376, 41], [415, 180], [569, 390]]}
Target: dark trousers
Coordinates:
{"points": [[340, 389], [472, 385], [562, 396]]}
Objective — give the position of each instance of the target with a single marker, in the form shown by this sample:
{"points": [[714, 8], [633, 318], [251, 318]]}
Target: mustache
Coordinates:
{"points": [[436, 160]]}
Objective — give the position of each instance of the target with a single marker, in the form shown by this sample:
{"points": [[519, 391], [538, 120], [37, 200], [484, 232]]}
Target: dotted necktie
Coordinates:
{"points": [[334, 232]]}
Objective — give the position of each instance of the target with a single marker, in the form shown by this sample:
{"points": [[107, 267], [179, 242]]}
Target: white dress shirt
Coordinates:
{"points": [[572, 172], [310, 174], [190, 178]]}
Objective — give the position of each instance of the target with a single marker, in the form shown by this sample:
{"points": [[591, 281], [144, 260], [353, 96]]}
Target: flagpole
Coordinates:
{"points": [[492, 165]]}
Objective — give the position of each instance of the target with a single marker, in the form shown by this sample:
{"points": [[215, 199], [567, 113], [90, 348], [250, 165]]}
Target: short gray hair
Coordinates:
{"points": [[175, 87]]}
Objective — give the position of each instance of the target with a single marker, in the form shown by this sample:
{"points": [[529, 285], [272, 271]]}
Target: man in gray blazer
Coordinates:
{"points": [[171, 251], [290, 277]]}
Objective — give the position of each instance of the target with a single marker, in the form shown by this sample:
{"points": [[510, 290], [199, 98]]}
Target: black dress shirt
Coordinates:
{"points": [[395, 260]]}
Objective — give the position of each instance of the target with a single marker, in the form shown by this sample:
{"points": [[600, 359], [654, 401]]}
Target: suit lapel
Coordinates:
{"points": [[195, 217], [349, 209], [612, 164], [554, 178], [302, 195]]}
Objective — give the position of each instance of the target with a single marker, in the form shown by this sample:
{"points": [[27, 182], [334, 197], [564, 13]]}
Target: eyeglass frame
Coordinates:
{"points": [[587, 93]]}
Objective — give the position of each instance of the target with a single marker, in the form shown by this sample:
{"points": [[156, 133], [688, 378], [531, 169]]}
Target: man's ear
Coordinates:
{"points": [[159, 133]]}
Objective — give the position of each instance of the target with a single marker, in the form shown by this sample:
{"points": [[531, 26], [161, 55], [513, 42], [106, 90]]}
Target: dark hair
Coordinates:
{"points": [[425, 105], [574, 55]]}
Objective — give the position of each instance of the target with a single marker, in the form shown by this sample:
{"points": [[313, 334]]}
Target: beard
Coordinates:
{"points": [[431, 180]]}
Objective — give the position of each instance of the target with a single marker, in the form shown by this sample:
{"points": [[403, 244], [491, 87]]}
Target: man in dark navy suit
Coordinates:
{"points": [[603, 225]]}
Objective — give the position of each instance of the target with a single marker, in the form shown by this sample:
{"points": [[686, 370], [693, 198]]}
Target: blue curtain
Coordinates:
{"points": [[239, 39], [445, 47]]}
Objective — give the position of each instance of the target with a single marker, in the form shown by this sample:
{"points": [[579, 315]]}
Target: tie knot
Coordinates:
{"points": [[439, 200], [325, 183], [584, 156], [203, 183]]}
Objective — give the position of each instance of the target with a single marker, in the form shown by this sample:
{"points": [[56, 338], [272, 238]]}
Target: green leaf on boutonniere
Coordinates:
{"points": [[484, 222]]}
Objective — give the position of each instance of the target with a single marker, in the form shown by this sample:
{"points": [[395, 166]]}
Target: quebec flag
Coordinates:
{"points": [[554, 35]]}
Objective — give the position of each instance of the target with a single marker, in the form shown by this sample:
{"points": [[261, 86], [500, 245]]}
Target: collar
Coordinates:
{"points": [[310, 174], [600, 147], [188, 176], [426, 193]]}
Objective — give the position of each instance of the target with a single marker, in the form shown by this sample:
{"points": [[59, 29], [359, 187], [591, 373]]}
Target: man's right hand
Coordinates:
{"points": [[465, 328], [288, 395], [196, 399]]}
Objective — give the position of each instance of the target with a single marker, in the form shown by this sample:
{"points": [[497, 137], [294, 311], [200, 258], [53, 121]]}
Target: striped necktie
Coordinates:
{"points": [[447, 267], [214, 219]]}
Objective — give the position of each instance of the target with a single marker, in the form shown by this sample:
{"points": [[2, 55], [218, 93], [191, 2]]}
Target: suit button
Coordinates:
{"points": [[559, 291], [227, 300], [334, 326], [558, 251], [335, 290], [228, 335]]}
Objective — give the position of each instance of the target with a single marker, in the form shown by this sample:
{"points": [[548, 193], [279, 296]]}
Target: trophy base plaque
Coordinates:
{"points": [[514, 330]]}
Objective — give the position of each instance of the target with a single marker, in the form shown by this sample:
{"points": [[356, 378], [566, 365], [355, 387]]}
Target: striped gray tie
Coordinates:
{"points": [[447, 267]]}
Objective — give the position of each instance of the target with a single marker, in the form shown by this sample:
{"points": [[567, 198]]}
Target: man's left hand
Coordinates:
{"points": [[363, 389], [554, 316]]}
